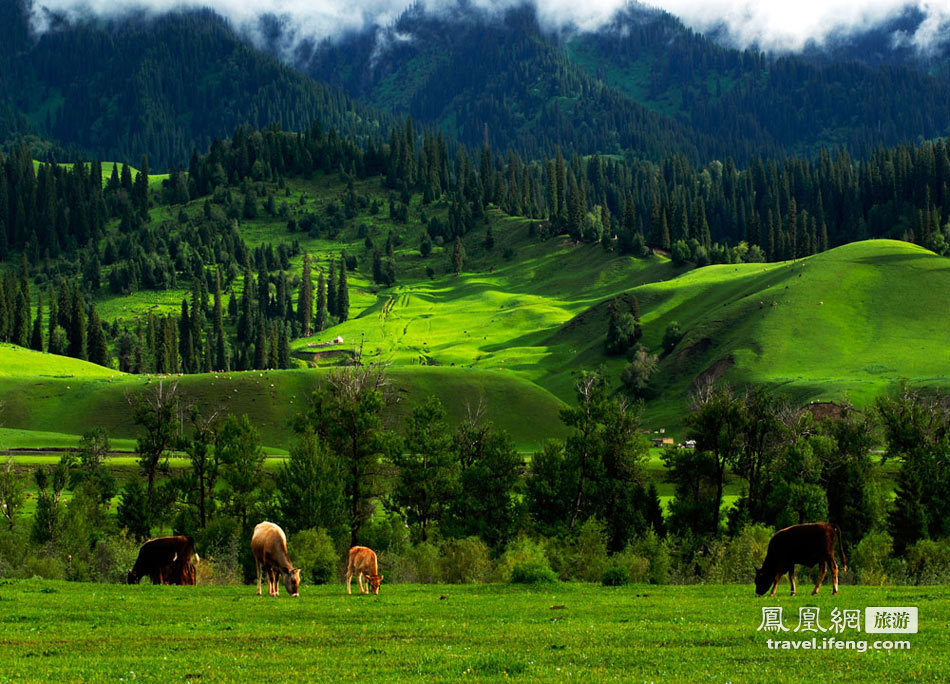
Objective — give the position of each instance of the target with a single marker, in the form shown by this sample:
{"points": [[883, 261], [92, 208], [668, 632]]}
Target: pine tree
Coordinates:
{"points": [[322, 314], [305, 299], [36, 340], [332, 290], [77, 327], [98, 349], [343, 294], [458, 256], [140, 190]]}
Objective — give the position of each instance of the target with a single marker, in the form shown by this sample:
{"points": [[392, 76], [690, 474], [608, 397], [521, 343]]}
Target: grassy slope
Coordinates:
{"points": [[517, 331], [154, 179], [73, 404], [74, 631]]}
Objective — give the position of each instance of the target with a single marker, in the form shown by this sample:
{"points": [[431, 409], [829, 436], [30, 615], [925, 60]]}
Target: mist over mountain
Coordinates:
{"points": [[771, 26]]}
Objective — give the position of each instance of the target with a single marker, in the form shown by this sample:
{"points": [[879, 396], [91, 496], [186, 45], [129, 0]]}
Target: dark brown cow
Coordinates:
{"points": [[800, 545], [165, 560]]}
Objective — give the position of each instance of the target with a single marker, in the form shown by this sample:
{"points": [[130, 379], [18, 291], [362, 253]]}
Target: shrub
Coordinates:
{"points": [[735, 560], [657, 553], [313, 552], [928, 562], [532, 572], [418, 564], [112, 558], [465, 561], [637, 567], [870, 558], [524, 562], [588, 557], [616, 575], [44, 566]]}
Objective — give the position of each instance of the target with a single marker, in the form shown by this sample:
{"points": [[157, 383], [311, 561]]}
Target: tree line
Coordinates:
{"points": [[358, 480]]}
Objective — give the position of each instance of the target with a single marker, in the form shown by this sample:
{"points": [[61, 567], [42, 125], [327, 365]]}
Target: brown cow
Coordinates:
{"points": [[803, 545], [165, 560], [269, 546], [363, 563]]}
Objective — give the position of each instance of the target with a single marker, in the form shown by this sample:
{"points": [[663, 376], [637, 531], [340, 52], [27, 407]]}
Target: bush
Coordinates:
{"points": [[532, 572], [735, 560], [418, 564], [465, 561], [524, 562], [657, 553], [112, 558], [870, 558], [313, 552], [616, 575], [637, 567], [928, 562], [44, 566], [588, 558]]}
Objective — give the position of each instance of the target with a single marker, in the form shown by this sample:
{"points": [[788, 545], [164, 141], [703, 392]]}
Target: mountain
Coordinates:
{"points": [[643, 82], [495, 75], [791, 103], [160, 86]]}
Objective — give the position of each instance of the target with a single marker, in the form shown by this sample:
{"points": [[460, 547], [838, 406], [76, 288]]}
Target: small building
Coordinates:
{"points": [[662, 441]]}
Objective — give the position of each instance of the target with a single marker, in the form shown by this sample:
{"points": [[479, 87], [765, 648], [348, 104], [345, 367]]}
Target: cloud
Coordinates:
{"points": [[777, 25]]}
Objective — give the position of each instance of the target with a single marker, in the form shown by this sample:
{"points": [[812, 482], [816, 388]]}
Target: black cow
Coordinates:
{"points": [[802, 545], [165, 560]]}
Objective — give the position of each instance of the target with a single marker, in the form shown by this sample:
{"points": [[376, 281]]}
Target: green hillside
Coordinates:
{"points": [[62, 395], [838, 326]]}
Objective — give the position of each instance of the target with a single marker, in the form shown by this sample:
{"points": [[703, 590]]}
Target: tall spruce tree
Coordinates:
{"points": [[305, 299], [343, 294], [322, 313]]}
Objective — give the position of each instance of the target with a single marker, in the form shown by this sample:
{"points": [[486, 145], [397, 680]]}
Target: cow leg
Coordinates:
{"points": [[791, 579], [258, 563], [834, 576], [349, 581], [364, 584], [822, 571], [276, 582], [775, 584]]}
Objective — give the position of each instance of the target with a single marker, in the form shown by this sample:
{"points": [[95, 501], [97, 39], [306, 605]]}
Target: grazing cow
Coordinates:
{"points": [[269, 546], [363, 563], [803, 545], [165, 560]]}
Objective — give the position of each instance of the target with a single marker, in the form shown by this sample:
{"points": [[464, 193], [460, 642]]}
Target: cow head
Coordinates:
{"points": [[374, 582], [763, 580], [292, 581], [133, 577]]}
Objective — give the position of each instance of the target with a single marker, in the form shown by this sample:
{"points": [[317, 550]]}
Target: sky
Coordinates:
{"points": [[776, 25]]}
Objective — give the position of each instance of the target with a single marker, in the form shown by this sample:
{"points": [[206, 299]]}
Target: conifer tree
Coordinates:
{"points": [[77, 327], [458, 256], [322, 314], [343, 294], [98, 349], [332, 290], [36, 340], [305, 299]]}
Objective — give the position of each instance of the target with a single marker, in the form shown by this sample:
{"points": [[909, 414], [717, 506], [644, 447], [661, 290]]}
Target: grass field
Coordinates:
{"points": [[58, 631]]}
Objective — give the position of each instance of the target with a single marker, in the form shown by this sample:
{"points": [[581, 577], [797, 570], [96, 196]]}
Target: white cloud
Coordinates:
{"points": [[771, 24]]}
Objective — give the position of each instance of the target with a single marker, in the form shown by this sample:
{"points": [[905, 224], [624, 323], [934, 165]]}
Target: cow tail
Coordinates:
{"points": [[844, 558]]}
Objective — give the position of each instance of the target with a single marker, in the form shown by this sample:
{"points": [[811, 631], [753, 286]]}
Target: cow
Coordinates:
{"points": [[362, 563], [165, 560], [803, 545], [269, 546]]}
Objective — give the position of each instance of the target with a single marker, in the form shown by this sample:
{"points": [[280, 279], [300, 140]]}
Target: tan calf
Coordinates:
{"points": [[363, 563]]}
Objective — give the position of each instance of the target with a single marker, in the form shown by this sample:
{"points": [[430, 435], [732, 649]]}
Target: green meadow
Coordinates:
{"points": [[523, 319], [58, 631]]}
